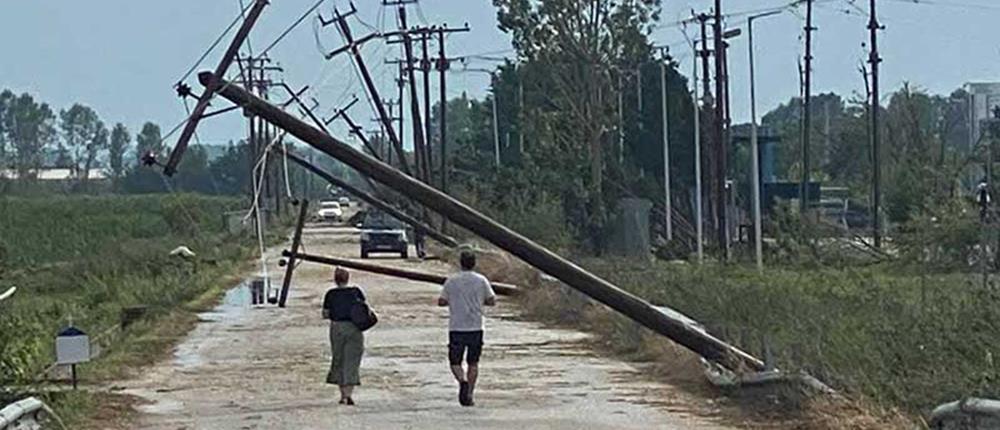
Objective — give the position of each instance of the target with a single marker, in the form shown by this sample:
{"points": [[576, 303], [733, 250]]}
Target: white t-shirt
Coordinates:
{"points": [[466, 293]]}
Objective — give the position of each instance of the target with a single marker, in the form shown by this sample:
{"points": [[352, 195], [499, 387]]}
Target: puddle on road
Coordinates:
{"points": [[234, 306]]}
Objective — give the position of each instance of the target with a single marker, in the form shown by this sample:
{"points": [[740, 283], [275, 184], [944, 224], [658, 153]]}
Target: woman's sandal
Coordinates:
{"points": [[349, 402]]}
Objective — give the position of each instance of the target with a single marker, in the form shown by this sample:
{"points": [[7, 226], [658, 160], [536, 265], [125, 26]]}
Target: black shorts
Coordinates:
{"points": [[459, 341]]}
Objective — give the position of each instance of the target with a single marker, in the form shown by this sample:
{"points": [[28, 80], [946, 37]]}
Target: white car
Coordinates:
{"points": [[344, 202], [330, 211]]}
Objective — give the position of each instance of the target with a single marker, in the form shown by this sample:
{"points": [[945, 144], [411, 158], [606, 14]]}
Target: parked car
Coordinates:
{"points": [[383, 233], [330, 211], [344, 202]]}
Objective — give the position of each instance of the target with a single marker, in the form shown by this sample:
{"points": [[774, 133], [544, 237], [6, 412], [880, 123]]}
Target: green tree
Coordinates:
{"points": [[6, 98], [193, 173], [576, 57], [231, 171], [143, 179], [30, 130], [85, 136], [148, 141], [120, 139]]}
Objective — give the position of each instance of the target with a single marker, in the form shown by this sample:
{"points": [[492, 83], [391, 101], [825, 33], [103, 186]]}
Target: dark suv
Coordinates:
{"points": [[383, 233]]}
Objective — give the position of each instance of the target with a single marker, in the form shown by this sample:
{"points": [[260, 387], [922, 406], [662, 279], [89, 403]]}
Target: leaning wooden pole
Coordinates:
{"points": [[433, 278], [286, 283], [206, 96], [374, 201], [639, 310]]}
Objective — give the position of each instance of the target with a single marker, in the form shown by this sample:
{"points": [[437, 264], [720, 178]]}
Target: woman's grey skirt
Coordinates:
{"points": [[348, 345]]}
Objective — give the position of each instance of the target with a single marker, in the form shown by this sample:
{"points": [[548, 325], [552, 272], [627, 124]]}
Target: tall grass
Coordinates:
{"points": [[85, 258], [901, 340]]}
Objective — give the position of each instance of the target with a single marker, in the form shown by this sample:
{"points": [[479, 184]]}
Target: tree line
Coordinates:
{"points": [[580, 126], [34, 136]]}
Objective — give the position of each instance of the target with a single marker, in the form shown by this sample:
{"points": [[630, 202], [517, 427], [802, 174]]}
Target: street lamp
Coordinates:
{"points": [[754, 148], [699, 225], [496, 126]]}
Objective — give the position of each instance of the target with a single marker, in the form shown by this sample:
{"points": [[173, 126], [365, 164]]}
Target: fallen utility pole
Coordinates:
{"points": [[374, 201], [639, 310], [498, 287], [199, 109]]}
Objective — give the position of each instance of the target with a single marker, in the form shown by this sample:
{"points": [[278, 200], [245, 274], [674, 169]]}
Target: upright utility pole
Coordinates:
{"points": [[621, 118], [874, 60], [442, 67], [807, 112], [698, 216], [423, 166], [425, 67], [496, 118], [520, 112], [707, 102], [668, 208], [401, 87], [719, 138]]}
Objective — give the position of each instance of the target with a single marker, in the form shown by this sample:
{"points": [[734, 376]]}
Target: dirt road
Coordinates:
{"points": [[264, 368]]}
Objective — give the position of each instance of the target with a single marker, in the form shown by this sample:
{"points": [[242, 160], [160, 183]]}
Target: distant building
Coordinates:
{"points": [[57, 174], [984, 97]]}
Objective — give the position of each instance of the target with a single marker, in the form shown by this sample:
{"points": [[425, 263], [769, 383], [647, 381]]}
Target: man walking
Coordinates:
{"points": [[464, 294]]}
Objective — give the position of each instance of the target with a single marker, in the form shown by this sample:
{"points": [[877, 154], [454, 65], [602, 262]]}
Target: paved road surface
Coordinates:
{"points": [[245, 368]]}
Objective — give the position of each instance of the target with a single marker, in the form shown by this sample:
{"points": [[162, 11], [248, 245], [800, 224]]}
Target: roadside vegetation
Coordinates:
{"points": [[82, 260], [899, 329]]}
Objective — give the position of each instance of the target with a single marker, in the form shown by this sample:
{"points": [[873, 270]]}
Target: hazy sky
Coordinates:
{"points": [[123, 56]]}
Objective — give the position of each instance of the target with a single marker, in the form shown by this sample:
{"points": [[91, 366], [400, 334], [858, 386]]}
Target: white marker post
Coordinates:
{"points": [[72, 348]]}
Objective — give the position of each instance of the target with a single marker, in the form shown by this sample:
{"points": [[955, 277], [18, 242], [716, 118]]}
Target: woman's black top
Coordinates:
{"points": [[338, 302]]}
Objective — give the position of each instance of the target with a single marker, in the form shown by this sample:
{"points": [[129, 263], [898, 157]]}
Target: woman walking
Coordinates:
{"points": [[346, 340]]}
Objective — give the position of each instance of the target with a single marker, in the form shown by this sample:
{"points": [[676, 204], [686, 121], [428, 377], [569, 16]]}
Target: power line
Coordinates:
{"points": [[292, 27], [213, 46], [959, 5]]}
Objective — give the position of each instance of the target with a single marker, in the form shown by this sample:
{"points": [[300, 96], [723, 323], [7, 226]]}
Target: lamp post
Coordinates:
{"points": [[496, 122], [755, 148], [668, 208]]}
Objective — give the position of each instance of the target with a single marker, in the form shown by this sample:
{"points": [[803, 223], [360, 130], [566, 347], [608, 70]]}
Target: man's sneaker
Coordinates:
{"points": [[463, 394]]}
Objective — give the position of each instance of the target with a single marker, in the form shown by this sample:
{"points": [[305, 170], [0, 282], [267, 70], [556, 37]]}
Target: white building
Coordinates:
{"points": [[57, 174]]}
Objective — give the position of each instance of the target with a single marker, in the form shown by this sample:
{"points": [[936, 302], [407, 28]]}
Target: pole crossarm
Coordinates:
{"points": [[683, 332], [199, 109], [354, 128], [350, 46]]}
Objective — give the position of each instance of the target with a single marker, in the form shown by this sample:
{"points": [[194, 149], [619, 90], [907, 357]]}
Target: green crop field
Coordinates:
{"points": [[85, 258]]}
